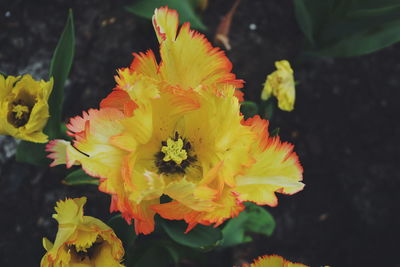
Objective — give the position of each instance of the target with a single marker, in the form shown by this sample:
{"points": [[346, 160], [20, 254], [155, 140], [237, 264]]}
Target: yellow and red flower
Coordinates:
{"points": [[174, 128], [24, 110], [81, 240], [273, 261]]}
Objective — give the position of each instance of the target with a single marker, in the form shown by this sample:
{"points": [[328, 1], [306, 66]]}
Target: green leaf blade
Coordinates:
{"points": [[254, 219], [185, 8], [79, 177], [200, 237], [32, 153], [249, 109], [342, 28], [60, 67], [123, 230]]}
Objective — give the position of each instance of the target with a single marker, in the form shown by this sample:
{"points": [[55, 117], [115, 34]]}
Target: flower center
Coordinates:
{"points": [[19, 113], [174, 151], [175, 155], [82, 253]]}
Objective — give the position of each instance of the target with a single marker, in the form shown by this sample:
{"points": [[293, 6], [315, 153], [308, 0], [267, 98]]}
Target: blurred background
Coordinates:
{"points": [[345, 124]]}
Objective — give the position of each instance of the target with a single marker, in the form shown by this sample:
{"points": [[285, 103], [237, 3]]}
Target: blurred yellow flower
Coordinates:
{"points": [[24, 110], [281, 84], [273, 261], [81, 240]]}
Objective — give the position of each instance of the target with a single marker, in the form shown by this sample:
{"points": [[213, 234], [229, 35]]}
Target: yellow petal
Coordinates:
{"points": [[165, 22], [70, 211], [104, 257], [216, 131], [139, 126], [93, 150], [6, 85], [145, 64], [140, 184], [226, 206], [47, 244], [276, 168], [141, 88], [189, 194], [188, 59]]}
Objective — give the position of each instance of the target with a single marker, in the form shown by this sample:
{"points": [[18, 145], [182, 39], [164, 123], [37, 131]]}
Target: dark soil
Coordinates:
{"points": [[345, 128]]}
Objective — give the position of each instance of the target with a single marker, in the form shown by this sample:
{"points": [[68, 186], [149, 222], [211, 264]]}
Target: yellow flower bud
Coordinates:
{"points": [[281, 84], [24, 110], [81, 240]]}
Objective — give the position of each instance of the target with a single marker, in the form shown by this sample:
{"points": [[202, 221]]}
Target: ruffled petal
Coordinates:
{"points": [[165, 22], [199, 198], [273, 261], [277, 168], [144, 216], [146, 64], [188, 59], [119, 99], [70, 211], [58, 151], [217, 134], [226, 206]]}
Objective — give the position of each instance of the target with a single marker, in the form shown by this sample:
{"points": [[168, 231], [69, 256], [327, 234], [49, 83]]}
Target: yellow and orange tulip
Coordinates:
{"points": [[174, 128]]}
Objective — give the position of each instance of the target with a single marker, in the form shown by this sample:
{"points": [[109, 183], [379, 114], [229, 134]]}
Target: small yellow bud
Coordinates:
{"points": [[281, 84]]}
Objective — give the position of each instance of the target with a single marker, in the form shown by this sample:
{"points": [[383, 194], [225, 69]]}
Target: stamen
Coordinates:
{"points": [[175, 155], [83, 253], [19, 113], [174, 151], [20, 110]]}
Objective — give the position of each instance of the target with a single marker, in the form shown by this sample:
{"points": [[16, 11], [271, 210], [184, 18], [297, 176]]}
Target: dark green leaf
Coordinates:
{"points": [[312, 15], [274, 132], [365, 42], [154, 256], [3, 73], [60, 67], [202, 237], [304, 19], [79, 177], [185, 8], [371, 12], [254, 219], [151, 254], [343, 28], [234, 231], [249, 109], [123, 230], [33, 153], [269, 107], [64, 135]]}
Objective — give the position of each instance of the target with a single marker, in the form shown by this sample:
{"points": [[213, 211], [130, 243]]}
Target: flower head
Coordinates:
{"points": [[24, 110], [81, 240], [174, 128], [281, 84], [273, 261]]}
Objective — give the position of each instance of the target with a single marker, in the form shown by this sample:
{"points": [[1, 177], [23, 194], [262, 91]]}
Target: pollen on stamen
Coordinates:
{"points": [[174, 156]]}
